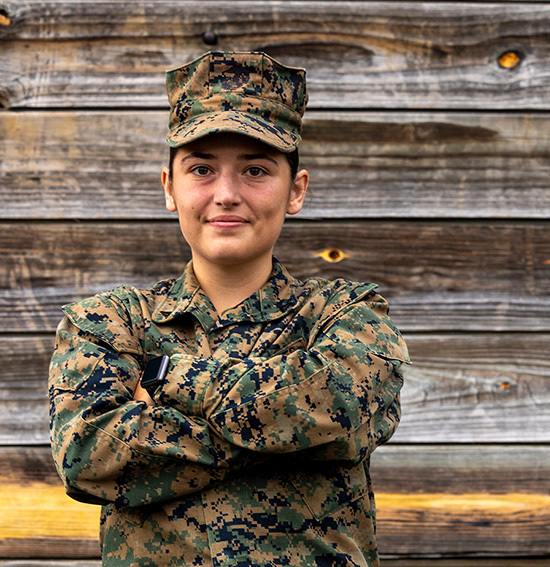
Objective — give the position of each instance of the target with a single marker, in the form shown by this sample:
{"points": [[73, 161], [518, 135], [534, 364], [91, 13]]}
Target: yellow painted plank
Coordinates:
{"points": [[475, 503], [41, 510]]}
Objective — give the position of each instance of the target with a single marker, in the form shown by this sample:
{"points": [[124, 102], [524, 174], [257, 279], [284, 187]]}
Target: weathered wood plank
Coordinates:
{"points": [[468, 388], [460, 388], [24, 362], [438, 276], [461, 468], [417, 520], [48, 523], [494, 499], [515, 522], [105, 165], [358, 54]]}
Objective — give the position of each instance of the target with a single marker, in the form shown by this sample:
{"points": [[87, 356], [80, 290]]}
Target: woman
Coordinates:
{"points": [[247, 441]]}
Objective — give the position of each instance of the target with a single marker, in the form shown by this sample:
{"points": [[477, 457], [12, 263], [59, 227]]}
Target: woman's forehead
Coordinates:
{"points": [[237, 143]]}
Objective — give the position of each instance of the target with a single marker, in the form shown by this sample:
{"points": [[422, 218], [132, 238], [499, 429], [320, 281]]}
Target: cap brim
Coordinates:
{"points": [[236, 122]]}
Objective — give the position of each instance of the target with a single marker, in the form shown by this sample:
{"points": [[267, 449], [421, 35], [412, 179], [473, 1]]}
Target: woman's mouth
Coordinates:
{"points": [[227, 221]]}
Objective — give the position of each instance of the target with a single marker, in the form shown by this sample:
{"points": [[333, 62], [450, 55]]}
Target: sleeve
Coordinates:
{"points": [[337, 399], [108, 447]]}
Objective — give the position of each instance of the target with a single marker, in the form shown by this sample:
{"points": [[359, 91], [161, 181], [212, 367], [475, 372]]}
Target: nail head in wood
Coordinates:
{"points": [[210, 37]]}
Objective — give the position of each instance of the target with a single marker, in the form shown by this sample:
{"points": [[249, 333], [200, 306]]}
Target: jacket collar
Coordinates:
{"points": [[276, 298]]}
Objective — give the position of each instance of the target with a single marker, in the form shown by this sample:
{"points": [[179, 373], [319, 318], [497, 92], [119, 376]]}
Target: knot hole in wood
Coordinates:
{"points": [[4, 17], [509, 60], [332, 255]]}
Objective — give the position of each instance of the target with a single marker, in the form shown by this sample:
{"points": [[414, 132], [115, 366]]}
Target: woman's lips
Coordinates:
{"points": [[227, 221]]}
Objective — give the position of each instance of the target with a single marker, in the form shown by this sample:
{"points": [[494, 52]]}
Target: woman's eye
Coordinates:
{"points": [[201, 170], [256, 171]]}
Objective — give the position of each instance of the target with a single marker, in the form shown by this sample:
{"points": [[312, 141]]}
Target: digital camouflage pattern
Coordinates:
{"points": [[247, 93], [257, 450]]}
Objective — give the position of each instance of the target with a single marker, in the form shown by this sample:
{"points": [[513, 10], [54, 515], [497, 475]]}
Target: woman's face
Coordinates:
{"points": [[231, 194]]}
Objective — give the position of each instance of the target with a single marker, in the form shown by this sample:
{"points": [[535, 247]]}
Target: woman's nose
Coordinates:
{"points": [[226, 191]]}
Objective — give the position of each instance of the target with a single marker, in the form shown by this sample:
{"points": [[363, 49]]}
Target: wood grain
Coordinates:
{"points": [[438, 276], [491, 497], [472, 388], [514, 524], [481, 514], [429, 468], [24, 417], [358, 54], [461, 388], [106, 165]]}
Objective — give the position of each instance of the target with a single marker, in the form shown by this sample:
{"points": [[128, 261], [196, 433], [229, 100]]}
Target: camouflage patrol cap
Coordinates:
{"points": [[247, 93]]}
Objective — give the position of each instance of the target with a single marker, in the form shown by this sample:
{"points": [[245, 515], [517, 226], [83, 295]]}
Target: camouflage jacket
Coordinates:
{"points": [[257, 450]]}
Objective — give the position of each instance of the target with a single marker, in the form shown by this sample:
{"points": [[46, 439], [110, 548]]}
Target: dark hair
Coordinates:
{"points": [[293, 159]]}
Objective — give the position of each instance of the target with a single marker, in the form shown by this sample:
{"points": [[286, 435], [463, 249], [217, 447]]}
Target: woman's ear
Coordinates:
{"points": [[298, 192], [168, 190]]}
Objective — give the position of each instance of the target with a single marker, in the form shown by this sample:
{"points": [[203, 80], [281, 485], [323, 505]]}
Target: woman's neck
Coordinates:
{"points": [[227, 286]]}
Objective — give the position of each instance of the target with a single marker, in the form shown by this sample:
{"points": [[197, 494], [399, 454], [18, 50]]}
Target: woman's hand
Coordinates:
{"points": [[142, 395]]}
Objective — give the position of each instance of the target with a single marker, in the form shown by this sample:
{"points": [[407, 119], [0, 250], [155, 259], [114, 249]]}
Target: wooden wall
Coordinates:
{"points": [[428, 142]]}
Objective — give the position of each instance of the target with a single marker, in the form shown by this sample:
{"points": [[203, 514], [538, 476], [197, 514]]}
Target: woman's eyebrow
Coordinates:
{"points": [[251, 157], [246, 157], [197, 155]]}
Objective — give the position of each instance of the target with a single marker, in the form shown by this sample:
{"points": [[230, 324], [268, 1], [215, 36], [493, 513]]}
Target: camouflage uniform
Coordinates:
{"points": [[257, 450]]}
